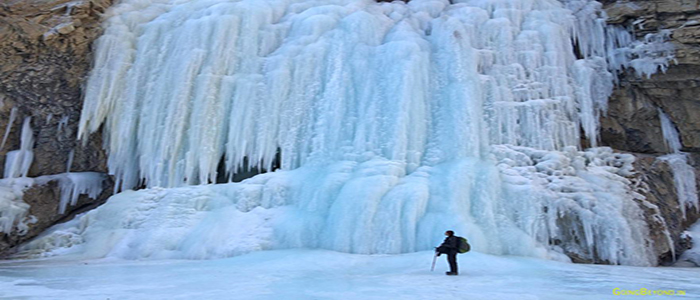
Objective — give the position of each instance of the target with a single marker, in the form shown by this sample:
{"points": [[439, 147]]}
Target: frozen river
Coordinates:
{"points": [[319, 274]]}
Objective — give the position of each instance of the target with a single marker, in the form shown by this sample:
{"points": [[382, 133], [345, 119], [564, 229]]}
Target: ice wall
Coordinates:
{"points": [[178, 85], [393, 121]]}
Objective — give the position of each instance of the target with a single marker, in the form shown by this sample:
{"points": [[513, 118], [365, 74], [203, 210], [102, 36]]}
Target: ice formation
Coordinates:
{"points": [[180, 85], [10, 121], [670, 133], [14, 211], [17, 162], [683, 173], [545, 202], [691, 257], [684, 180], [393, 122]]}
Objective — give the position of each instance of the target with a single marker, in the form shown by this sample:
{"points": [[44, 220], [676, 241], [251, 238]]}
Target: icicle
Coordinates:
{"points": [[62, 124], [13, 210], [684, 180], [351, 79], [73, 185], [17, 162], [13, 116], [670, 133], [69, 163], [683, 173]]}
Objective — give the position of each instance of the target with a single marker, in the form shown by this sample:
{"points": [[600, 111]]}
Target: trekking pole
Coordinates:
{"points": [[434, 259]]}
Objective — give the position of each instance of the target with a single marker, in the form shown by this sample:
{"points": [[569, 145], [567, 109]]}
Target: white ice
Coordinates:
{"points": [[684, 181], [393, 122], [691, 257], [18, 162], [180, 84], [14, 211], [319, 274], [534, 203], [683, 173], [670, 133]]}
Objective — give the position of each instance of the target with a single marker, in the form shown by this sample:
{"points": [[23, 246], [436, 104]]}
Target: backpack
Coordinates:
{"points": [[463, 246]]}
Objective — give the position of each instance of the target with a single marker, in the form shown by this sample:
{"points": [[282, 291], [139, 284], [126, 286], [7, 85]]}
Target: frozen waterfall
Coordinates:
{"points": [[179, 85], [393, 122]]}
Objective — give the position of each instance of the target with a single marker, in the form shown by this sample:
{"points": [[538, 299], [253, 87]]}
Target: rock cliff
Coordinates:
{"points": [[45, 53], [633, 124]]}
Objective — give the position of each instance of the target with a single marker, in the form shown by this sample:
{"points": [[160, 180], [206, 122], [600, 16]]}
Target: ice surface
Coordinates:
{"points": [[317, 274]]}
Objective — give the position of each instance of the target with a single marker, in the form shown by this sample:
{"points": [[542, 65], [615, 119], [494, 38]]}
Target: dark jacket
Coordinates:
{"points": [[450, 245]]}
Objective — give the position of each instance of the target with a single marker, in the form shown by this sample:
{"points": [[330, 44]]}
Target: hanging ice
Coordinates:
{"points": [[14, 212], [393, 122], [17, 162], [683, 173], [670, 133], [179, 86]]}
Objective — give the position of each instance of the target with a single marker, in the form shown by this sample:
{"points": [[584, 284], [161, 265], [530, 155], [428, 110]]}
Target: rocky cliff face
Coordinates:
{"points": [[45, 53], [633, 122]]}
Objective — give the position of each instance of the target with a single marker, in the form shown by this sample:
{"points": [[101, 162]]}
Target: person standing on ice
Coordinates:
{"points": [[450, 247]]}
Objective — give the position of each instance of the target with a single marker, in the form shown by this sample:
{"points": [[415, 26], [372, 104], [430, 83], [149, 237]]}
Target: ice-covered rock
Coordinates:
{"points": [[14, 212]]}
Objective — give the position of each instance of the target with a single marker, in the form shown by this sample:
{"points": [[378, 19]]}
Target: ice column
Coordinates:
{"points": [[17, 162]]}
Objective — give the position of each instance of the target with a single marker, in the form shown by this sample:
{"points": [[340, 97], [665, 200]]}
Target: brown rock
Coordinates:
{"points": [[45, 54], [632, 123], [662, 209]]}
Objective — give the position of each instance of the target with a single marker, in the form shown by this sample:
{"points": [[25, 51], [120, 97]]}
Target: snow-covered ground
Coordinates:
{"points": [[320, 274]]}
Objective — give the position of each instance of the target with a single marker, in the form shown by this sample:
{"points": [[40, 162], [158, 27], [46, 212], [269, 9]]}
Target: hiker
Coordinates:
{"points": [[450, 247]]}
